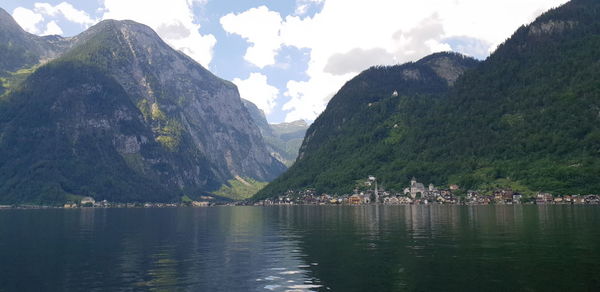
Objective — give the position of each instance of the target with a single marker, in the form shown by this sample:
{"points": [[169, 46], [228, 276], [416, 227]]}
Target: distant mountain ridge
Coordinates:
{"points": [[283, 139], [20, 49], [159, 124], [527, 118]]}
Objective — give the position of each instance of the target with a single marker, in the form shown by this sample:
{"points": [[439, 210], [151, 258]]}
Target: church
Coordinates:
{"points": [[417, 189]]}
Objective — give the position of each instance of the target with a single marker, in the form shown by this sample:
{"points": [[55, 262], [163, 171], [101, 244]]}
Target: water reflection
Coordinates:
{"points": [[204, 249], [453, 248], [354, 248]]}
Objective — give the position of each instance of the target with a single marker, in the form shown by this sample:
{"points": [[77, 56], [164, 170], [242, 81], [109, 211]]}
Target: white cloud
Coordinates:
{"points": [[476, 48], [196, 2], [31, 20], [309, 98], [302, 6], [260, 27], [173, 20], [52, 28], [346, 37], [67, 11], [257, 90], [28, 19]]}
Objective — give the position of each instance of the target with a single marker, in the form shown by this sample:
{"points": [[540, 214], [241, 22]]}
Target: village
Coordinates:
{"points": [[371, 194], [89, 202], [417, 194]]}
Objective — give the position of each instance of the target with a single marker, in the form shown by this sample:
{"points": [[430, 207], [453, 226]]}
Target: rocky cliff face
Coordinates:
{"points": [[160, 79], [179, 125]]}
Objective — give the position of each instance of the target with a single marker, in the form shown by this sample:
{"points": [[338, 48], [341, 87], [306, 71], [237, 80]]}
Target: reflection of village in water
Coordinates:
{"points": [[417, 194], [285, 248]]}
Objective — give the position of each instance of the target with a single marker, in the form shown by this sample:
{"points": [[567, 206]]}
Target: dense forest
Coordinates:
{"points": [[527, 118]]}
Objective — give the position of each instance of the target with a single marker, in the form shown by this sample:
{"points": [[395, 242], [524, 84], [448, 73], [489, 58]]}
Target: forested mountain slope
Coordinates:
{"points": [[528, 118]]}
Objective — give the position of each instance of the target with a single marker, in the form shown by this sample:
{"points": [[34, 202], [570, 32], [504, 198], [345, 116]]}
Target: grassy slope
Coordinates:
{"points": [[240, 189]]}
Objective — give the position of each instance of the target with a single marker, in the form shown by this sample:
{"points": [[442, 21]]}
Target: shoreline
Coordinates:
{"points": [[32, 207]]}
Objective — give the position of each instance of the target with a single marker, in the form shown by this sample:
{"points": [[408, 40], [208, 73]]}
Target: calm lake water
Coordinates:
{"points": [[302, 248]]}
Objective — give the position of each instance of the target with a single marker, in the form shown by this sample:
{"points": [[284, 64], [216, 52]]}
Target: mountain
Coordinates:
{"points": [[283, 139], [120, 115], [358, 129], [22, 50], [526, 118], [288, 139]]}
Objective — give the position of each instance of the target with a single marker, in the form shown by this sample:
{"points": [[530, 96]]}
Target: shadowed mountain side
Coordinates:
{"points": [[173, 129]]}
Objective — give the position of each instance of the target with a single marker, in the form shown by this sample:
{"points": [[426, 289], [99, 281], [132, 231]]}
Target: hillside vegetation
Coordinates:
{"points": [[528, 117]]}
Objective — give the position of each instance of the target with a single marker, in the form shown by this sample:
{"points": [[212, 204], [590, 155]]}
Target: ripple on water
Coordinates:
{"points": [[305, 286], [290, 272]]}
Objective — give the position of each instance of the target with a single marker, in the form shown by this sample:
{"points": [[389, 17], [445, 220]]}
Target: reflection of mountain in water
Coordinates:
{"points": [[201, 249], [447, 248], [352, 248]]}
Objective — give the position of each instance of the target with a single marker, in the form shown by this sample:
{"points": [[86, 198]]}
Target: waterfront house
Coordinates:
{"points": [[366, 199], [544, 198], [516, 198], [592, 199], [354, 200], [404, 200], [577, 199], [503, 197], [87, 201], [498, 198], [432, 188], [391, 200], [200, 204]]}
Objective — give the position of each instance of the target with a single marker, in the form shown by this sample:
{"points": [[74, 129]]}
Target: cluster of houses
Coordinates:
{"points": [[417, 194], [546, 198], [90, 202], [414, 194], [509, 197]]}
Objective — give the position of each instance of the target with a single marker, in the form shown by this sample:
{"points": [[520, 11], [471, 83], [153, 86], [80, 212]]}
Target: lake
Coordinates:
{"points": [[302, 248]]}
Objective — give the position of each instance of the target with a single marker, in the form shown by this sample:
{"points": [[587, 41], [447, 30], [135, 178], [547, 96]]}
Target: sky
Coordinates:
{"points": [[290, 57]]}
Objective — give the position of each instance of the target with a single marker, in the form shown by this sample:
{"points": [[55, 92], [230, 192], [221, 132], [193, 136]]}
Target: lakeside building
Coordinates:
{"points": [[87, 202], [416, 189], [417, 194]]}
